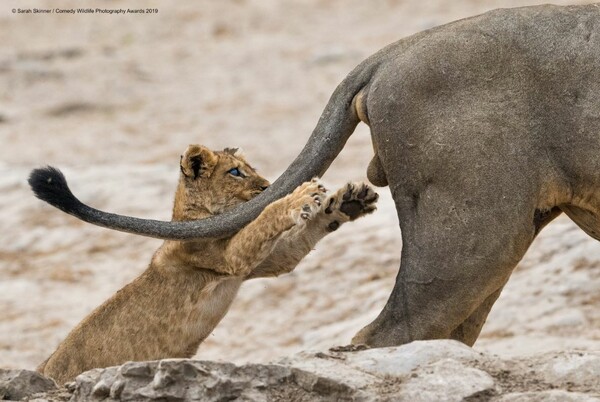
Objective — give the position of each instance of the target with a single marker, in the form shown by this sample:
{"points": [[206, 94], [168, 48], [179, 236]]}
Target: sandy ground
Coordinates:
{"points": [[114, 99]]}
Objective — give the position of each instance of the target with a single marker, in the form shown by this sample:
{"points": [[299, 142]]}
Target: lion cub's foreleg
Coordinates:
{"points": [[251, 245], [347, 204]]}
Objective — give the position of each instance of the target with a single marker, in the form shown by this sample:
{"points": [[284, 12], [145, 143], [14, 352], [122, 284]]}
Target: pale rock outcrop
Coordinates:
{"points": [[439, 370], [18, 384]]}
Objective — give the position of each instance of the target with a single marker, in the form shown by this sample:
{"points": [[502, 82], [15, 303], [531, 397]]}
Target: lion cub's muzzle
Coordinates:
{"points": [[261, 185]]}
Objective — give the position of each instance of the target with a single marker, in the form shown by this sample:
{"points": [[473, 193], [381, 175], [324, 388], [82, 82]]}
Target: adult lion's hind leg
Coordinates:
{"points": [[456, 257], [588, 221], [469, 330]]}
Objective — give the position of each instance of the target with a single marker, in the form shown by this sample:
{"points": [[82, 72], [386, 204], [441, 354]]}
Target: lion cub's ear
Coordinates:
{"points": [[197, 161]]}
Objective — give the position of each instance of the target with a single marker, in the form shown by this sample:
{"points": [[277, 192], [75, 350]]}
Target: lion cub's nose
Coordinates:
{"points": [[263, 188]]}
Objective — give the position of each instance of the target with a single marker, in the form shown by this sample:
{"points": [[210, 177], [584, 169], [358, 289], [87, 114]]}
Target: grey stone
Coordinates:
{"points": [[398, 373], [18, 384], [333, 366], [548, 396], [446, 380], [439, 370], [403, 359], [176, 379], [575, 369]]}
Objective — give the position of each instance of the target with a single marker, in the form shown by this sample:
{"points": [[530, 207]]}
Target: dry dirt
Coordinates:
{"points": [[114, 99]]}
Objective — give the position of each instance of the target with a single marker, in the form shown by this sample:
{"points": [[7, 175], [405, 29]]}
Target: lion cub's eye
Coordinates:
{"points": [[235, 172]]}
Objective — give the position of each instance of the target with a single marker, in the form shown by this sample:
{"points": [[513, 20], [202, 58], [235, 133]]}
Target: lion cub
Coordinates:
{"points": [[176, 303]]}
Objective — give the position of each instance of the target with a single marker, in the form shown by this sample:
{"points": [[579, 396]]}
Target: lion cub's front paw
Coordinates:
{"points": [[306, 201], [353, 200]]}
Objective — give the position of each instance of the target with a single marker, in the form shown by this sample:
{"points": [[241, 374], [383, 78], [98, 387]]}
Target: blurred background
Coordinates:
{"points": [[113, 100]]}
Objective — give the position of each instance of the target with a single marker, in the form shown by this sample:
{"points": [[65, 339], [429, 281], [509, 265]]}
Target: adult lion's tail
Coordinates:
{"points": [[49, 184], [337, 123]]}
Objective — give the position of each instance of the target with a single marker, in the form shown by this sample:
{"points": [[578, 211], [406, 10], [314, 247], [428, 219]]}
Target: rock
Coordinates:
{"points": [[572, 369], [547, 396], [176, 379], [333, 366], [18, 384], [421, 371], [446, 380], [372, 368], [386, 361]]}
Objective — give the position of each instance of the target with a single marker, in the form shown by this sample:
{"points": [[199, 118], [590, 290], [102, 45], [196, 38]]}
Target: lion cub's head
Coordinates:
{"points": [[213, 182]]}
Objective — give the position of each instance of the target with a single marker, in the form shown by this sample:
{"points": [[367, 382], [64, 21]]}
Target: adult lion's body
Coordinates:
{"points": [[485, 130]]}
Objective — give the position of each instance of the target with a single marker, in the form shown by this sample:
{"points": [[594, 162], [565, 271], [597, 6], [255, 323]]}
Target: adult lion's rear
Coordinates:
{"points": [[485, 129]]}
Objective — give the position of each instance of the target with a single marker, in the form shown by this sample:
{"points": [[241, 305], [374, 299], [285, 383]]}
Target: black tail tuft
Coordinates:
{"points": [[49, 184]]}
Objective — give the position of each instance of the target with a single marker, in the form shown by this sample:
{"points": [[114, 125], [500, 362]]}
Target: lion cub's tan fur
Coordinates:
{"points": [[174, 305]]}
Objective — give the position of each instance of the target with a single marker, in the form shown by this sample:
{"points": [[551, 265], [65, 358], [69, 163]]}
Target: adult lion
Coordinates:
{"points": [[486, 129]]}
